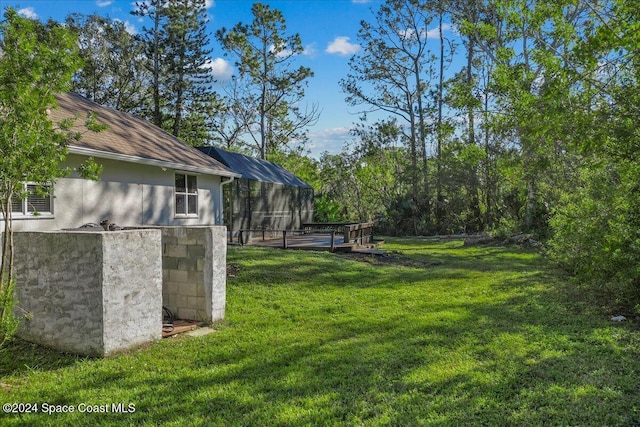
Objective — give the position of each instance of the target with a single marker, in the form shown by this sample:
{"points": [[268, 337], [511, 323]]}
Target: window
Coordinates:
{"points": [[186, 194], [37, 202]]}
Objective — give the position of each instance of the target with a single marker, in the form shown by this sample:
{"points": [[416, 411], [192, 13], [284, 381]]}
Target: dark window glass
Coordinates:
{"points": [[37, 202], [180, 204], [192, 204], [180, 183], [17, 205], [192, 184]]}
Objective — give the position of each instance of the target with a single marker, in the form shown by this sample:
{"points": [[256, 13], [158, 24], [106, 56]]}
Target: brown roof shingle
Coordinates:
{"points": [[131, 139]]}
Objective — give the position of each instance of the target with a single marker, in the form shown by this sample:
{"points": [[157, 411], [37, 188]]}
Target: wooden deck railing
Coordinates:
{"points": [[353, 232], [348, 233]]}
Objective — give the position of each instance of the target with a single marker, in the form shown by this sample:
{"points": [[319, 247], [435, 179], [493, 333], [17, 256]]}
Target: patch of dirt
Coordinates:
{"points": [[389, 258], [232, 270]]}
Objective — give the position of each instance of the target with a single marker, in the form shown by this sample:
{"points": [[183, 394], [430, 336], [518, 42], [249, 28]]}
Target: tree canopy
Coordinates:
{"points": [[37, 61], [273, 85], [496, 116]]}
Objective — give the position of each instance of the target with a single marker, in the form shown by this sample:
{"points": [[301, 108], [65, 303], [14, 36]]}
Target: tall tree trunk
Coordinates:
{"points": [[488, 176], [439, 131], [413, 150], [157, 113], [177, 117], [6, 264], [263, 104], [528, 151], [423, 138], [476, 220]]}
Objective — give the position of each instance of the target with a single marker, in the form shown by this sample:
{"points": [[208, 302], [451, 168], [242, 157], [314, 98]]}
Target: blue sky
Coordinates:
{"points": [[328, 30]]}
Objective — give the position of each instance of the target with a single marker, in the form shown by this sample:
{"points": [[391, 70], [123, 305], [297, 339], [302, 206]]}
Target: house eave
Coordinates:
{"points": [[83, 151]]}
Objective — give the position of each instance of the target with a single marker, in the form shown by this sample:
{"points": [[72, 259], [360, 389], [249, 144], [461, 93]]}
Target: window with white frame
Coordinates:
{"points": [[38, 200], [186, 195]]}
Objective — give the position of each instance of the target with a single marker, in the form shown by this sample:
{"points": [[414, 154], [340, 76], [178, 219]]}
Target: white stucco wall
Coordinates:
{"points": [[128, 194]]}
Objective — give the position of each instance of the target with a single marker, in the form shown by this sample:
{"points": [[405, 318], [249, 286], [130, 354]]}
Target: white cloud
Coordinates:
{"points": [[360, 1], [407, 34], [220, 69], [435, 33], [103, 3], [208, 4], [331, 140], [424, 34], [128, 27], [310, 50], [283, 52], [28, 12], [341, 46]]}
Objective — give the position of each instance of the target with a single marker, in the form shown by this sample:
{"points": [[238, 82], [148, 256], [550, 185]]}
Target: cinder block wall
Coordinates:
{"points": [[194, 261], [91, 293]]}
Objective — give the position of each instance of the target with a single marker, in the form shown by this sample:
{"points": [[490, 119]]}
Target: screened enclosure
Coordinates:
{"points": [[266, 197]]}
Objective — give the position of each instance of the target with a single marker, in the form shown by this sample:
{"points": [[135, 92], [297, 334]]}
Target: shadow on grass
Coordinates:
{"points": [[317, 340], [499, 366], [20, 356], [277, 266], [478, 258]]}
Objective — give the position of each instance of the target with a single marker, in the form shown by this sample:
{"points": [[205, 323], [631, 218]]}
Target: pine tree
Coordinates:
{"points": [[177, 48], [264, 58]]}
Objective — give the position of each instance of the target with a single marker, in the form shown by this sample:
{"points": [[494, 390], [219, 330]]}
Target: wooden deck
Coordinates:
{"points": [[310, 242], [334, 237]]}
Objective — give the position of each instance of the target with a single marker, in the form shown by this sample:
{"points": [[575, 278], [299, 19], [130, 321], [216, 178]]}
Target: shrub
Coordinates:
{"points": [[596, 231], [8, 322]]}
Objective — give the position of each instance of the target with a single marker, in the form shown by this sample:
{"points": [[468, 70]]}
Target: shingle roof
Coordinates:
{"points": [[254, 169], [131, 139]]}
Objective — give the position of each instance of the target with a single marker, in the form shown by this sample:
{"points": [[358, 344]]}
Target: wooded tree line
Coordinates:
{"points": [[525, 123], [500, 116]]}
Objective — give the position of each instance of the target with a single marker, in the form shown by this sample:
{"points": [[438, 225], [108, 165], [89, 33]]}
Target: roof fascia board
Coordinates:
{"points": [[151, 162]]}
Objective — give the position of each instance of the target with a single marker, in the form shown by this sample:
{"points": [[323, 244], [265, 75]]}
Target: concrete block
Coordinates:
{"points": [[186, 241], [187, 264], [194, 276], [169, 240], [172, 287], [195, 302], [187, 313], [202, 262], [182, 301], [178, 251], [90, 293], [189, 289], [178, 276], [194, 251], [169, 263]]}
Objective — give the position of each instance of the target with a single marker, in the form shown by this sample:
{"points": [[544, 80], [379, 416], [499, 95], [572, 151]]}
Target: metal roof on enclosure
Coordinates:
{"points": [[254, 169]]}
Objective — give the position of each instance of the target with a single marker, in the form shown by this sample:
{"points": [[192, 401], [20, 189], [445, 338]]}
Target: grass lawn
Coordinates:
{"points": [[444, 335]]}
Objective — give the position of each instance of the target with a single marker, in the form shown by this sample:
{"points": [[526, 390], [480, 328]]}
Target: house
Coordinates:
{"points": [[265, 197], [97, 292], [149, 177]]}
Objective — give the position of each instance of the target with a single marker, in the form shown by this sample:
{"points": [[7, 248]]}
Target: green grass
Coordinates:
{"points": [[444, 335]]}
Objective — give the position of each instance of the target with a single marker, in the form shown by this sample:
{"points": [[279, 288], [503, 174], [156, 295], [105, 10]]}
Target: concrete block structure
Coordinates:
{"points": [[194, 262], [92, 293]]}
